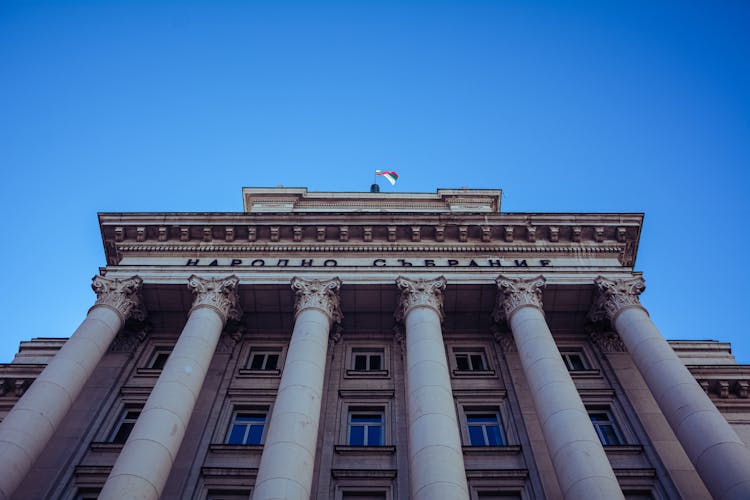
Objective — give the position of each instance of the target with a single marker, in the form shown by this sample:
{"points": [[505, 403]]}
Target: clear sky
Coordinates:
{"points": [[636, 106]]}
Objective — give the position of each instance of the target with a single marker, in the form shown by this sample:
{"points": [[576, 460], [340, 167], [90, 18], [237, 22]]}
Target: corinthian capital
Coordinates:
{"points": [[612, 296], [515, 293], [122, 296], [318, 294], [220, 294], [419, 293]]}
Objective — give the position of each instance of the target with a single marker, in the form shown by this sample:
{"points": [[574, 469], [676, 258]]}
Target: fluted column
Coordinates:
{"points": [[30, 424], [143, 466], [286, 466], [436, 462], [719, 456], [581, 465]]}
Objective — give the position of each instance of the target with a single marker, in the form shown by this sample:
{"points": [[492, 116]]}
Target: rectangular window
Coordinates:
{"points": [[605, 427], [125, 424], [484, 429], [159, 358], [367, 360], [574, 360], [363, 495], [471, 361], [365, 428], [247, 427], [264, 359]]}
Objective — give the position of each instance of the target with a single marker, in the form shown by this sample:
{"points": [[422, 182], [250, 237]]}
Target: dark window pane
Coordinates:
{"points": [[493, 435], [476, 437], [375, 362], [160, 360], [273, 361], [575, 362], [374, 435], [360, 362], [255, 434], [477, 363], [123, 432], [609, 436], [357, 435], [237, 435], [462, 362], [257, 362]]}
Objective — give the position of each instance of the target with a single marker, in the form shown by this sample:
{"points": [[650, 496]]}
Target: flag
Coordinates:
{"points": [[389, 175]]}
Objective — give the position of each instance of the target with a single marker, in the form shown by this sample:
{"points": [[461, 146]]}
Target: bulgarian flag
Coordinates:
{"points": [[389, 175]]}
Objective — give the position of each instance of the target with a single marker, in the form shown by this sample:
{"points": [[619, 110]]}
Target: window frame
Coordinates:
{"points": [[122, 419], [471, 350], [250, 350], [568, 354], [470, 413], [156, 352], [266, 353], [238, 409], [611, 422], [366, 410], [368, 349]]}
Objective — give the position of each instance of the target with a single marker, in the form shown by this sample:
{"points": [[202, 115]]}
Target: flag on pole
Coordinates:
{"points": [[389, 175]]}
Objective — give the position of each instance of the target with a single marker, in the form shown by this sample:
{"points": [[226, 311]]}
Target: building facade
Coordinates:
{"points": [[372, 346]]}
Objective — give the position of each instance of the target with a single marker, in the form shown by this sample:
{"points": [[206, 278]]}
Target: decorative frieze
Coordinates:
{"points": [[229, 233], [343, 233], [320, 233], [318, 294], [440, 233], [514, 293], [531, 234], [121, 295], [252, 233], [220, 294], [554, 233], [367, 233], [119, 234], [504, 338], [575, 235], [486, 234], [607, 341], [612, 296], [391, 233], [508, 233], [598, 234], [463, 233], [416, 233], [140, 233], [622, 234], [275, 233], [297, 233], [208, 234], [184, 234], [419, 293], [163, 235]]}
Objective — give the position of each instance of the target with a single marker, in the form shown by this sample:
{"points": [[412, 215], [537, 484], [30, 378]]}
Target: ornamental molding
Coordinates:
{"points": [[318, 294], [371, 248], [219, 294], [615, 295], [607, 341], [121, 295], [400, 338], [420, 293], [504, 338], [515, 293]]}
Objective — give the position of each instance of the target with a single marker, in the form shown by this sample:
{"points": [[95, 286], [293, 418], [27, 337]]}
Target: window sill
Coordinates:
{"points": [[585, 373], [367, 374], [247, 373], [474, 373], [630, 449], [364, 450], [148, 372], [235, 448], [492, 450], [104, 446]]}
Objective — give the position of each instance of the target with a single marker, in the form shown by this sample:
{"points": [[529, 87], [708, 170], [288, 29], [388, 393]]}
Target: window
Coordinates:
{"points": [[498, 495], [233, 494], [159, 358], [471, 361], [363, 495], [125, 424], [365, 361], [605, 427], [365, 428], [247, 427], [484, 429], [574, 360], [264, 359]]}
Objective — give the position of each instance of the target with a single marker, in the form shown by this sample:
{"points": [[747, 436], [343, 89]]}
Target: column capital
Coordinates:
{"points": [[121, 295], [318, 294], [614, 295], [219, 294], [420, 293], [515, 293]]}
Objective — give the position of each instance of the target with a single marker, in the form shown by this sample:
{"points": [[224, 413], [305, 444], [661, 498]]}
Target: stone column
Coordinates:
{"points": [[719, 456], [286, 466], [142, 468], [581, 465], [436, 462], [33, 420]]}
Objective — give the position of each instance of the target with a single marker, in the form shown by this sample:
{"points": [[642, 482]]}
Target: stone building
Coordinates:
{"points": [[372, 346]]}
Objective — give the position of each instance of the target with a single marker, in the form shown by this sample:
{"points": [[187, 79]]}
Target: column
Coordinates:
{"points": [[719, 456], [142, 468], [581, 465], [436, 461], [33, 420], [286, 466]]}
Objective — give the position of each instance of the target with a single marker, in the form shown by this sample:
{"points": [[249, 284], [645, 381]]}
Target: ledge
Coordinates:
{"points": [[367, 374], [491, 450], [630, 449], [235, 448], [106, 447], [364, 450], [247, 373], [585, 374], [473, 373]]}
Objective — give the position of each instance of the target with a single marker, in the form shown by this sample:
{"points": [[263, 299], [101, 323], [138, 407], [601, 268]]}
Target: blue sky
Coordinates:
{"points": [[567, 106]]}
